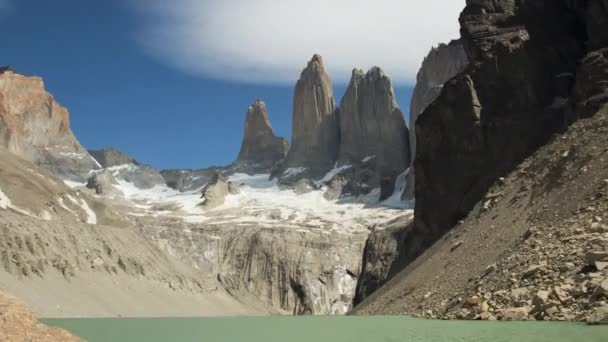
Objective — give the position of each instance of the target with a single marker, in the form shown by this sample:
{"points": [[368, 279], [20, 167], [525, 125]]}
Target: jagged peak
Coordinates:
{"points": [[314, 67]]}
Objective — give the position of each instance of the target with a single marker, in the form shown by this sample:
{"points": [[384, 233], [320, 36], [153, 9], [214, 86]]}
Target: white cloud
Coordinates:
{"points": [[271, 40]]}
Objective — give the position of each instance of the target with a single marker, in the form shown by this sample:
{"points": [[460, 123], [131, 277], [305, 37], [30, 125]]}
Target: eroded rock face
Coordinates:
{"points": [[110, 156], [305, 271], [442, 63], [520, 52], [371, 124], [315, 134], [260, 147], [34, 126]]}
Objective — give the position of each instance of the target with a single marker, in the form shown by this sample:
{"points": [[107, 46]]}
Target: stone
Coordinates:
{"points": [[371, 124], [315, 133], [532, 270], [486, 316], [473, 300], [441, 64], [515, 314], [214, 193], [602, 288], [562, 295], [519, 293], [233, 188], [599, 315], [541, 299], [260, 147], [303, 186], [595, 256]]}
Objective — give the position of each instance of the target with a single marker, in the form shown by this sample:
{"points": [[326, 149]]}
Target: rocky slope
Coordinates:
{"points": [[34, 126], [546, 59], [315, 133], [17, 323], [442, 63], [87, 253], [372, 126], [534, 248], [260, 149]]}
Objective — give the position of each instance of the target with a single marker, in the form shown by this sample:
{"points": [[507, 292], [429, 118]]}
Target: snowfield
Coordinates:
{"points": [[262, 202]]}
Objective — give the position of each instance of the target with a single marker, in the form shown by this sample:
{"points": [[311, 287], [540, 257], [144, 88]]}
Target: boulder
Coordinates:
{"points": [[515, 314], [214, 193]]}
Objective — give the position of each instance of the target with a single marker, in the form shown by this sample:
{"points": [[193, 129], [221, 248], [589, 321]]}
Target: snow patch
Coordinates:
{"points": [[72, 184], [368, 158], [5, 202], [332, 173], [293, 171], [91, 216], [395, 200]]}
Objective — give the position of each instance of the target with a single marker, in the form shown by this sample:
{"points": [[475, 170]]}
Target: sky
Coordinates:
{"points": [[169, 81]]}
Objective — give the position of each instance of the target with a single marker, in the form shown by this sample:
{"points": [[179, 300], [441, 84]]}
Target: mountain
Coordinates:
{"points": [[373, 126], [34, 126], [260, 148], [508, 217], [315, 133]]}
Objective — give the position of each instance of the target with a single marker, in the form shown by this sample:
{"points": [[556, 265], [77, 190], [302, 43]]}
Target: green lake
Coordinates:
{"points": [[333, 329]]}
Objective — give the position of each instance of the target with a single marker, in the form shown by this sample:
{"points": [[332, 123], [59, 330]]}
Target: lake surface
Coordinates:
{"points": [[317, 329]]}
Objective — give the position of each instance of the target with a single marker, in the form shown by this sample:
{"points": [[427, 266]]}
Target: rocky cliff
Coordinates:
{"points": [[372, 125], [442, 63], [260, 148], [315, 132], [546, 60], [34, 126], [526, 53], [294, 271]]}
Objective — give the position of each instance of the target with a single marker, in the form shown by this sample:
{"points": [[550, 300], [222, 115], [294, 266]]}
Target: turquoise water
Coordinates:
{"points": [[317, 329]]}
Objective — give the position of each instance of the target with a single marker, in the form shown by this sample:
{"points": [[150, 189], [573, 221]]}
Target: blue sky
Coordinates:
{"points": [[144, 76]]}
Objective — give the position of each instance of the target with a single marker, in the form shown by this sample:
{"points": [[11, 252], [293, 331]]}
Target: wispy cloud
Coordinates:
{"points": [[269, 41]]}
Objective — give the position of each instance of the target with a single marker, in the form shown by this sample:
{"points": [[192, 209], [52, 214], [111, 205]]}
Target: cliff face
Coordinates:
{"points": [[315, 134], [528, 55], [371, 124], [34, 126], [441, 64], [534, 68], [260, 146]]}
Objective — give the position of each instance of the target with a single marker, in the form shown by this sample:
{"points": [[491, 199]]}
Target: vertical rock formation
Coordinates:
{"points": [[315, 135], [260, 147], [371, 124], [441, 64], [512, 97], [34, 126]]}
